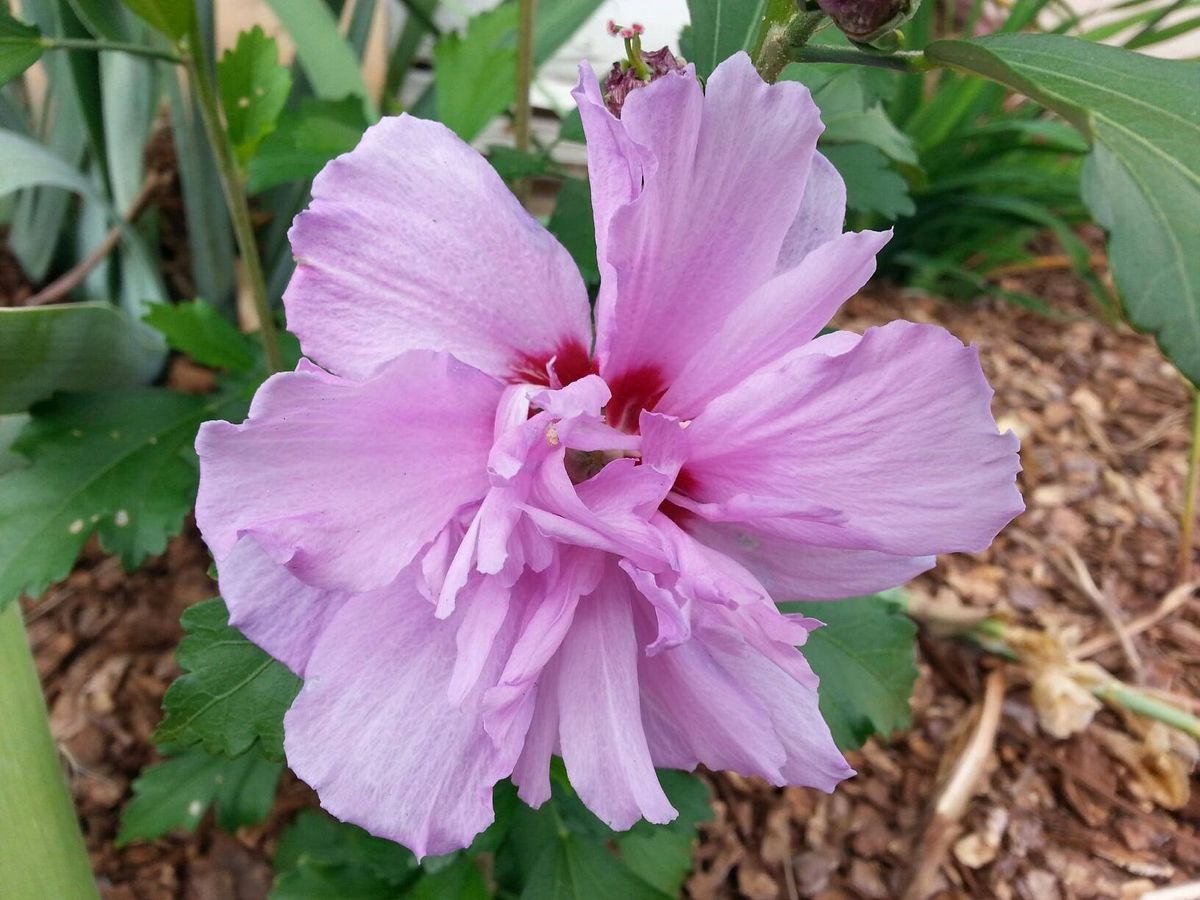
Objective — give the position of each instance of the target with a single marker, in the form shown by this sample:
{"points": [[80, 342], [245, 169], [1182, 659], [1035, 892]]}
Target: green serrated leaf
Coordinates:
{"points": [[231, 693], [118, 464], [470, 90], [1142, 181], [871, 184], [320, 857], [719, 29], [571, 222], [72, 347], [563, 851], [865, 658], [511, 163], [20, 46], [172, 17], [177, 792], [305, 139], [199, 330], [254, 89], [661, 855]]}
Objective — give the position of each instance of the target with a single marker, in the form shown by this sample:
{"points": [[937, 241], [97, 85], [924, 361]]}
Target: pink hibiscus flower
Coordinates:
{"points": [[482, 543]]}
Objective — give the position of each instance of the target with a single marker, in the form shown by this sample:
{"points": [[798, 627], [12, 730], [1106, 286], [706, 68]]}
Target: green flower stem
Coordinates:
{"points": [[1188, 520], [1115, 693], [522, 110], [781, 39], [55, 43], [903, 61], [200, 76], [42, 851]]}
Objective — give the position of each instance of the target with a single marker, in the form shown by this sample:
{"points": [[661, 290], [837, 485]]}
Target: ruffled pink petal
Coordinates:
{"points": [[343, 481], [373, 733], [793, 571], [600, 726], [821, 217], [412, 241], [813, 760], [273, 608], [696, 713], [722, 175], [785, 313], [895, 434]]}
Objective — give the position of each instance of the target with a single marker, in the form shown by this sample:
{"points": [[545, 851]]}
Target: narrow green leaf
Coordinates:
{"points": [[27, 163], [231, 693], [72, 347], [865, 658], [326, 57], [20, 46], [1142, 181], [172, 17], [200, 331], [557, 21], [119, 464], [177, 792], [253, 88], [719, 29]]}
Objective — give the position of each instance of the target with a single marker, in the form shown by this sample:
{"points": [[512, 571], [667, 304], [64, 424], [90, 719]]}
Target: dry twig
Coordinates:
{"points": [[954, 798]]}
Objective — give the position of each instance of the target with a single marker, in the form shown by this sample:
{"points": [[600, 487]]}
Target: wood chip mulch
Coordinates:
{"points": [[1103, 423]]}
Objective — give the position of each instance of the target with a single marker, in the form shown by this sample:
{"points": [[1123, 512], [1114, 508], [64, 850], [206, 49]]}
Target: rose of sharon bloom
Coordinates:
{"points": [[483, 541]]}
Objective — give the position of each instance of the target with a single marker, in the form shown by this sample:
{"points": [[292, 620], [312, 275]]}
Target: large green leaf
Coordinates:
{"points": [[20, 46], [177, 792], [119, 464], [231, 693], [719, 29], [172, 17], [327, 59], [1142, 181], [254, 89], [864, 657], [72, 347]]}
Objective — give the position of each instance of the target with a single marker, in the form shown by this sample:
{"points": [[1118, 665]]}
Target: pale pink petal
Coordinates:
{"points": [[531, 774], [343, 481], [792, 571], [600, 726], [272, 607], [813, 759], [695, 712], [724, 172], [412, 241], [373, 733], [821, 217], [897, 434], [614, 161], [785, 313]]}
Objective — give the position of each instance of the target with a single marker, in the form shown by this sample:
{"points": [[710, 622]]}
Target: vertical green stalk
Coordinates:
{"points": [[522, 110], [41, 849], [780, 39], [199, 73], [1184, 567]]}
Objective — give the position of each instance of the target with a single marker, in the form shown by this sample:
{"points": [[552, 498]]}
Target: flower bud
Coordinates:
{"points": [[638, 69], [866, 21]]}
